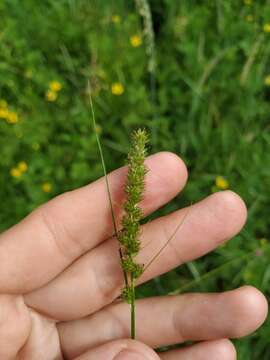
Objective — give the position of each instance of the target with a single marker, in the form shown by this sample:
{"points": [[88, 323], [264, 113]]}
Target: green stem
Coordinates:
{"points": [[132, 308], [105, 175]]}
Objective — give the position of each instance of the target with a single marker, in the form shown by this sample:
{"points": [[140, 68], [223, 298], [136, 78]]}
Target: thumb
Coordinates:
{"points": [[120, 350]]}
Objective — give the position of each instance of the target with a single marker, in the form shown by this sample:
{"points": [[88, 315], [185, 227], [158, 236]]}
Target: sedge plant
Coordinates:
{"points": [[129, 235]]}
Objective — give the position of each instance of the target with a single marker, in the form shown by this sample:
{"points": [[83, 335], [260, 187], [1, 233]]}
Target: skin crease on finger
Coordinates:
{"points": [[209, 223]]}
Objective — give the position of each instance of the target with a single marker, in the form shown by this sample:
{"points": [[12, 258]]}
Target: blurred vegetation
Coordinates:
{"points": [[208, 101]]}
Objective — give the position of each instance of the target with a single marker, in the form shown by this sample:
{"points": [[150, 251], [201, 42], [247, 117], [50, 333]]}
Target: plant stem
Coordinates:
{"points": [[105, 176], [132, 306]]}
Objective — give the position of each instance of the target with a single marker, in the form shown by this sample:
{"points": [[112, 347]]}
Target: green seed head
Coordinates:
{"points": [[134, 189]]}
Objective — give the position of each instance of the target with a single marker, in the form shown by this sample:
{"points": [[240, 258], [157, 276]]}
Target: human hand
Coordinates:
{"points": [[60, 274]]}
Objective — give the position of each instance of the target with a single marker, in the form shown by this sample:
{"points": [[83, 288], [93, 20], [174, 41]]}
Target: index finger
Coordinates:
{"points": [[48, 240]]}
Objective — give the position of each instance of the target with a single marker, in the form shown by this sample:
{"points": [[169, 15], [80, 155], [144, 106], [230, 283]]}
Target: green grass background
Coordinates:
{"points": [[211, 106]]}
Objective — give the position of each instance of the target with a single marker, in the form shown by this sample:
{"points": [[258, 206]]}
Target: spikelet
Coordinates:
{"points": [[134, 189]]}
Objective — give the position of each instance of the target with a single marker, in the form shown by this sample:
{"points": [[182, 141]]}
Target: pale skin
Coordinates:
{"points": [[60, 277]]}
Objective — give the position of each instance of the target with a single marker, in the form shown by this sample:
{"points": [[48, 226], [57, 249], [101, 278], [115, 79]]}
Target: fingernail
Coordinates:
{"points": [[129, 355]]}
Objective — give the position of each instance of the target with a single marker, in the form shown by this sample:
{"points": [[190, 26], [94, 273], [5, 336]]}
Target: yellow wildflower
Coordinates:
{"points": [[266, 27], [135, 40], [22, 166], [15, 172], [12, 117], [51, 95], [116, 19], [249, 18], [248, 2], [3, 113], [3, 104], [222, 183], [267, 80], [117, 88], [46, 187], [55, 86]]}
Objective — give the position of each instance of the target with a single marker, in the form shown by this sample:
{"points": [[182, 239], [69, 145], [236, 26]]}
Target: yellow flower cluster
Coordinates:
{"points": [[117, 88], [10, 116], [54, 88], [266, 27], [18, 170], [222, 183], [248, 2], [46, 187], [135, 40]]}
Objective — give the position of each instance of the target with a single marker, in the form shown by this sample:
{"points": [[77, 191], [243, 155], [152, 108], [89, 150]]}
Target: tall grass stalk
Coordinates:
{"points": [[148, 31], [144, 10]]}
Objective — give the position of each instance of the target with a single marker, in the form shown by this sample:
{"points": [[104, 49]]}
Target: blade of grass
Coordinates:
{"points": [[211, 273], [167, 242], [104, 172]]}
